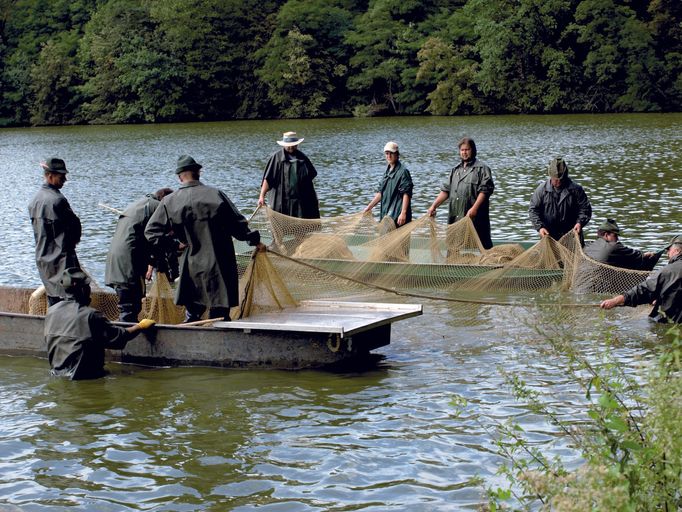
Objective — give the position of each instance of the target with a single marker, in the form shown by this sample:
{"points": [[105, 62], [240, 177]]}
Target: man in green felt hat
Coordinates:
{"points": [[608, 249], [204, 220], [57, 230], [559, 204], [662, 288]]}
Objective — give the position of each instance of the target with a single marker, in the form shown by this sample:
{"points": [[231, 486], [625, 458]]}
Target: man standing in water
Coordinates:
{"points": [[76, 335], [288, 181], [608, 249], [203, 219], [559, 205], [663, 287], [468, 189], [57, 230], [394, 190]]}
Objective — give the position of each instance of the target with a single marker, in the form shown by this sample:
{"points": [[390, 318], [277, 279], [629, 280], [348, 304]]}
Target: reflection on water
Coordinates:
{"points": [[385, 438]]}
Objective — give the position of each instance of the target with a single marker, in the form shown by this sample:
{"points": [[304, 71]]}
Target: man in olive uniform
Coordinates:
{"points": [[395, 189], [77, 335], [664, 287], [559, 205], [288, 181], [130, 259], [57, 230], [468, 190], [608, 249], [205, 220]]}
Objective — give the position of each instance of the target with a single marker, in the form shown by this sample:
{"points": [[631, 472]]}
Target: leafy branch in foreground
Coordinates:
{"points": [[629, 437]]}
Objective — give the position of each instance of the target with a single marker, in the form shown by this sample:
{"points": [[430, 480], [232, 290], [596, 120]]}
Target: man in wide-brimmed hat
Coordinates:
{"points": [[76, 334], [203, 219], [57, 230], [608, 249], [288, 181], [663, 287], [559, 205]]}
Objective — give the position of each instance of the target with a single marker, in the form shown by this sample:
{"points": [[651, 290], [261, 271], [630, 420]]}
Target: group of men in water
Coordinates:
{"points": [[200, 221]]}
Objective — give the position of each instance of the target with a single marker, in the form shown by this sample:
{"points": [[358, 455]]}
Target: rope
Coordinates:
{"points": [[426, 296]]}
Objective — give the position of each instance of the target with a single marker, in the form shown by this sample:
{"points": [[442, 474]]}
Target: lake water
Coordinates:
{"points": [[386, 438]]}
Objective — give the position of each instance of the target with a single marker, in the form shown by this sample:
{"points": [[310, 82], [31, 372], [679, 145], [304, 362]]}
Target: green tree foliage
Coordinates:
{"points": [[54, 81], [620, 63], [129, 61], [385, 42], [128, 77], [304, 63]]}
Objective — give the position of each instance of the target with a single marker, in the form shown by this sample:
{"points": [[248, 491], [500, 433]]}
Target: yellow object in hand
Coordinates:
{"points": [[146, 323]]}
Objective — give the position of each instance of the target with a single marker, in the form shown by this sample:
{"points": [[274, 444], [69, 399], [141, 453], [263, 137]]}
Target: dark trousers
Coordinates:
{"points": [[129, 301], [194, 311], [52, 300]]}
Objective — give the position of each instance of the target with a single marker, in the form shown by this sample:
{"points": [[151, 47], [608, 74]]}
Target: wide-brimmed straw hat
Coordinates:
{"points": [[290, 139]]}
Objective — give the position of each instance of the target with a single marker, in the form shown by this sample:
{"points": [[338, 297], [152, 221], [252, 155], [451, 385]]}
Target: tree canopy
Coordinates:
{"points": [[139, 61]]}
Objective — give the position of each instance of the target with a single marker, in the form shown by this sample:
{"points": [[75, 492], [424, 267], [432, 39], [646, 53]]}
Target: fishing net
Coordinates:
{"points": [[355, 256], [159, 304]]}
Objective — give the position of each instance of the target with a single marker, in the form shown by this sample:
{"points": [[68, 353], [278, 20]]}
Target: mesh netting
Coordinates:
{"points": [[427, 259], [353, 257]]}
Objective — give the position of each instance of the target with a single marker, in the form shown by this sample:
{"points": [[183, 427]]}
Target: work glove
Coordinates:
{"points": [[146, 323]]}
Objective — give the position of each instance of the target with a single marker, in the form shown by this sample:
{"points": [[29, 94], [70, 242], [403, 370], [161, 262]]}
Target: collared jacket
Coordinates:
{"points": [[204, 219], [558, 210], [619, 255], [664, 287], [76, 337], [57, 231], [291, 190], [130, 253], [463, 187], [394, 184]]}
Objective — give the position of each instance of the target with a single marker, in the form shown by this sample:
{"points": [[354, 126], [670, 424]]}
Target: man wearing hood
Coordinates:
{"points": [[664, 288], [559, 205], [77, 335], [469, 187]]}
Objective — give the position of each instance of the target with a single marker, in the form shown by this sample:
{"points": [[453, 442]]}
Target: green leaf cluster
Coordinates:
{"points": [[126, 61], [629, 440]]}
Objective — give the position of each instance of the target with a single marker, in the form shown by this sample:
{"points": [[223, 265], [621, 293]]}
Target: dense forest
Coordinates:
{"points": [[138, 61]]}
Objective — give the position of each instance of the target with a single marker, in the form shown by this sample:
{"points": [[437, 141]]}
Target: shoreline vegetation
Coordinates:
{"points": [[67, 62]]}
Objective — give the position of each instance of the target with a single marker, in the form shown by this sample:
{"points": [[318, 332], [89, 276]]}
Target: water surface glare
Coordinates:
{"points": [[385, 438]]}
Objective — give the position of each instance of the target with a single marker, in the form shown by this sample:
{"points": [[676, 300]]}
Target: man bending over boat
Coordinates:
{"points": [[77, 335], [608, 249], [203, 219], [57, 230], [130, 260], [663, 287]]}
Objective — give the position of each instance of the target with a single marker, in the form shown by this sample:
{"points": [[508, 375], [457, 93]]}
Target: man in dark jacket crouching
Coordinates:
{"points": [[77, 335]]}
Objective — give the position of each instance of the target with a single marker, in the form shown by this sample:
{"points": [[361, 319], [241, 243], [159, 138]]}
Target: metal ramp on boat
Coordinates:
{"points": [[331, 317]]}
